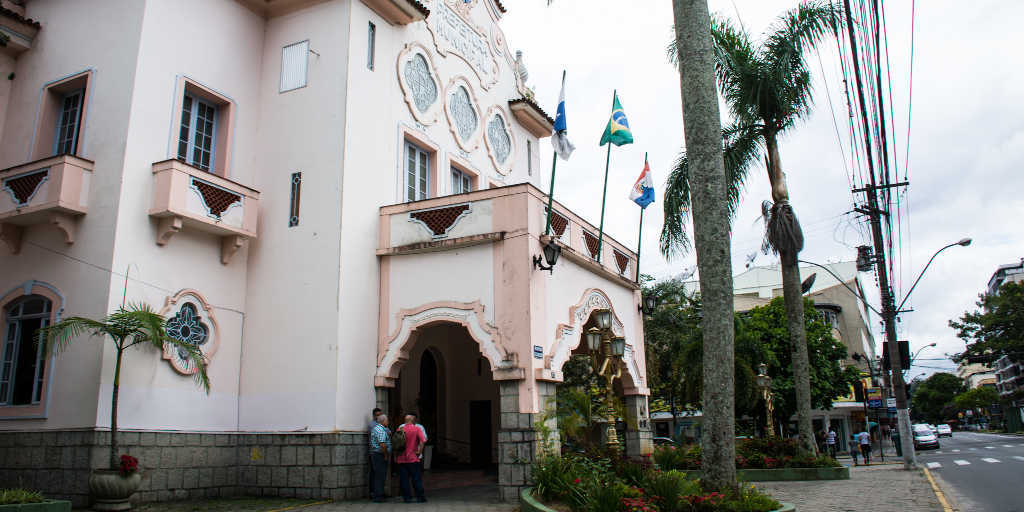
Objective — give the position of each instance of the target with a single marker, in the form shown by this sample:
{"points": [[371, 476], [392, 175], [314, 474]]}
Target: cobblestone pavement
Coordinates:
{"points": [[462, 499], [877, 487]]}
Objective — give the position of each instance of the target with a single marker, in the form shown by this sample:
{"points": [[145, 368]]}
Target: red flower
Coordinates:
{"points": [[576, 481], [129, 465]]}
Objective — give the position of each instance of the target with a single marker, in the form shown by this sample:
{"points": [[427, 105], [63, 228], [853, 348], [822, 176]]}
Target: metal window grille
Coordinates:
{"points": [[294, 65], [293, 212], [197, 133], [417, 173], [66, 141], [461, 182], [371, 45]]}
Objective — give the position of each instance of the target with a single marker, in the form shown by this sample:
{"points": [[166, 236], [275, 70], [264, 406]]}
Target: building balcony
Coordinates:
{"points": [[184, 196], [53, 190], [487, 216]]}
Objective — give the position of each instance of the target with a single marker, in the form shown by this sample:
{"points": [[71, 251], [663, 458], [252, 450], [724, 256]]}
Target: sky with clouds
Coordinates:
{"points": [[966, 141]]}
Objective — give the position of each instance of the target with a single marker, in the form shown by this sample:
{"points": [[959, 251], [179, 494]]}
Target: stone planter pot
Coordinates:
{"points": [[111, 491], [44, 506], [528, 503]]}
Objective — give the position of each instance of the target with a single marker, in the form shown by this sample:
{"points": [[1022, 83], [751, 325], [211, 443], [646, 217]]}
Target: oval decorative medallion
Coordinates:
{"points": [[417, 75], [463, 112], [497, 137]]}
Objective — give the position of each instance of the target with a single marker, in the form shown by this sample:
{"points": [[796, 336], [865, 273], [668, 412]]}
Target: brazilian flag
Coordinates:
{"points": [[617, 132]]}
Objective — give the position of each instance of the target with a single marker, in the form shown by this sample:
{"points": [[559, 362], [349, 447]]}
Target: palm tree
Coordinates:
{"points": [[127, 327], [767, 87], [702, 123]]}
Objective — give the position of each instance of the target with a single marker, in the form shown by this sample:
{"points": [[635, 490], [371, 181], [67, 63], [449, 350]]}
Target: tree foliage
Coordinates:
{"points": [[933, 398], [977, 398], [996, 329]]}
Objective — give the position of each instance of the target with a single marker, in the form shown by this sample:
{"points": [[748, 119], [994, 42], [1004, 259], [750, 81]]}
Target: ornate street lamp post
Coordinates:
{"points": [[606, 353], [765, 383]]}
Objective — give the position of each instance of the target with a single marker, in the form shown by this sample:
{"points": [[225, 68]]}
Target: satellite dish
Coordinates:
{"points": [[808, 283]]}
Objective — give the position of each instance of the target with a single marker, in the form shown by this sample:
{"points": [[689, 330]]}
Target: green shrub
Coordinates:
{"points": [[606, 496], [748, 499], [559, 479], [668, 487], [680, 458], [19, 496]]}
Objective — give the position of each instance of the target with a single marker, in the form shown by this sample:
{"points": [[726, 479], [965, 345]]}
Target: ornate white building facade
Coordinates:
{"points": [[316, 193]]}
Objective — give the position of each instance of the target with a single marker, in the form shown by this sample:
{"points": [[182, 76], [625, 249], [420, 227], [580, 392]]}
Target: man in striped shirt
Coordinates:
{"points": [[380, 447]]}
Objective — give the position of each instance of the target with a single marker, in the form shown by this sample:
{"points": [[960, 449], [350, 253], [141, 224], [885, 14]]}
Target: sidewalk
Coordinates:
{"points": [[875, 487], [461, 499]]}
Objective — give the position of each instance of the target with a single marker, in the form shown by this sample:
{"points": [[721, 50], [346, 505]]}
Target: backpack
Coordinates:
{"points": [[398, 440]]}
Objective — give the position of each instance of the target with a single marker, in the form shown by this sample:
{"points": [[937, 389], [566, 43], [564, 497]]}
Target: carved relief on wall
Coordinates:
{"points": [[420, 84], [498, 136], [455, 33], [464, 115], [189, 319]]}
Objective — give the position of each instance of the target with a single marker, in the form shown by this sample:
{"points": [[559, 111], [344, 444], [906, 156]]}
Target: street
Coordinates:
{"points": [[979, 472]]}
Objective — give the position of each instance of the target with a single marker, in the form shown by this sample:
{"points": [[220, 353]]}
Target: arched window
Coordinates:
{"points": [[22, 360]]}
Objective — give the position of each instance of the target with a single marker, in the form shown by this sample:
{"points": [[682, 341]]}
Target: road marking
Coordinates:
{"points": [[990, 460], [933, 465], [961, 463], [938, 492], [938, 453], [1007, 446], [1018, 457], [990, 447], [956, 451]]}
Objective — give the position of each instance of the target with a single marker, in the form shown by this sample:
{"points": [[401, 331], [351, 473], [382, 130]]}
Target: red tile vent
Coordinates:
{"points": [[440, 220], [591, 242], [24, 187], [559, 223], [217, 199], [621, 261]]}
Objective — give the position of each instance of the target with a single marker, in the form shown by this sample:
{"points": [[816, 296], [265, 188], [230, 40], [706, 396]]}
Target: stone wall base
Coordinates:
{"points": [[183, 465]]}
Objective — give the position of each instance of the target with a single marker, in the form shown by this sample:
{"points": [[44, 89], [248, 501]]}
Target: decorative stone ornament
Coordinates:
{"points": [[190, 319], [455, 33], [420, 85], [499, 140], [464, 116], [111, 491]]}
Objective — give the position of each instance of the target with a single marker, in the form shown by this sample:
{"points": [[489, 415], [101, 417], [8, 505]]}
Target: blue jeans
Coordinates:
{"points": [[411, 471]]}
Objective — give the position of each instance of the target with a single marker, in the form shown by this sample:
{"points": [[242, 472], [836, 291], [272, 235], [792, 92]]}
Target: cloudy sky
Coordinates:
{"points": [[966, 142]]}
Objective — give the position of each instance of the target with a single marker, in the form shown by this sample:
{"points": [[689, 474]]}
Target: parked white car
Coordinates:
{"points": [[944, 430], [924, 437]]}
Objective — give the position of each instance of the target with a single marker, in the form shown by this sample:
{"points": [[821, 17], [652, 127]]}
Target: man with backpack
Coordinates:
{"points": [[407, 443]]}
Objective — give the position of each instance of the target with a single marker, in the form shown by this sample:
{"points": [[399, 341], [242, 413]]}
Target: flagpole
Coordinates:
{"points": [[604, 195], [640, 230], [551, 191]]}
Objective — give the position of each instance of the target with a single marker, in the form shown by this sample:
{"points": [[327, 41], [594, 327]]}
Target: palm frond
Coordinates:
{"points": [[57, 338], [737, 69], [741, 147], [196, 361]]}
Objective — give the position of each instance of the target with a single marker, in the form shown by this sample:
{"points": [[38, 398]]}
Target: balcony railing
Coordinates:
{"points": [[53, 190], [184, 196]]}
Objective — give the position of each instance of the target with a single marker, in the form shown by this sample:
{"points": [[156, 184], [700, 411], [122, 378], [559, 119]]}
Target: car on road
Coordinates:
{"points": [[924, 437], [944, 430]]}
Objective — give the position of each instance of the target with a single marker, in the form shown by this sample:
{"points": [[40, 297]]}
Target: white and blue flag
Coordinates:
{"points": [[560, 137], [643, 190]]}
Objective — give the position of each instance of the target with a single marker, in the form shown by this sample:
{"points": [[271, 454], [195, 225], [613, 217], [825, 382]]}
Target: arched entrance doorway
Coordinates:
{"points": [[448, 383]]}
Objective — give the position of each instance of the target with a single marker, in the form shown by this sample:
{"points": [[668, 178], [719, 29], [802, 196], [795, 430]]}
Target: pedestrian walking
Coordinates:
{"points": [[830, 442], [369, 456], [865, 446], [380, 449], [408, 458], [819, 437], [854, 447]]}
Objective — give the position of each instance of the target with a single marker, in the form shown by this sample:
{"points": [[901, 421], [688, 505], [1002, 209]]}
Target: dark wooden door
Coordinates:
{"points": [[480, 432]]}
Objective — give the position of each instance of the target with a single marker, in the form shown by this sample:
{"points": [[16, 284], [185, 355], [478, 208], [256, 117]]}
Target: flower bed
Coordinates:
{"points": [[771, 453], [608, 483], [21, 500]]}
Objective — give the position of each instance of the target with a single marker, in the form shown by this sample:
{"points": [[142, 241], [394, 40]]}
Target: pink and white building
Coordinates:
{"points": [[338, 201]]}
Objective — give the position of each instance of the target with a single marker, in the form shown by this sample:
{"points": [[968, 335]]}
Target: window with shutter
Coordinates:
{"points": [[294, 65]]}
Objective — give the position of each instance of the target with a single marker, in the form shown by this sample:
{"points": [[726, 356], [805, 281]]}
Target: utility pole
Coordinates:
{"points": [[888, 302]]}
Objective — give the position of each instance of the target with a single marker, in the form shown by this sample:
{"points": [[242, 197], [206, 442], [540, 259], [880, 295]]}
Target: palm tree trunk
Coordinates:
{"points": [[792, 294], [113, 411], [703, 130]]}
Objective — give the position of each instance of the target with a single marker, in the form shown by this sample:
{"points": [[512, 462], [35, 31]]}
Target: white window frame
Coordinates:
{"points": [[420, 188], [192, 119], [462, 182], [301, 65]]}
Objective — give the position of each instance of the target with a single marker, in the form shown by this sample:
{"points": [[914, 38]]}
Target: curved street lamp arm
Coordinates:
{"points": [[862, 299], [919, 276]]}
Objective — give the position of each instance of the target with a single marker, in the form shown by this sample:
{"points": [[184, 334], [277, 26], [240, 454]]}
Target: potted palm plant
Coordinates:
{"points": [[134, 325]]}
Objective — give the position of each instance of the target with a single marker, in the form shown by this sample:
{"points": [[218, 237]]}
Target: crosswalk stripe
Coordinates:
{"points": [[1018, 457], [990, 447], [961, 463], [990, 460], [956, 451], [938, 452], [1007, 446], [933, 465]]}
